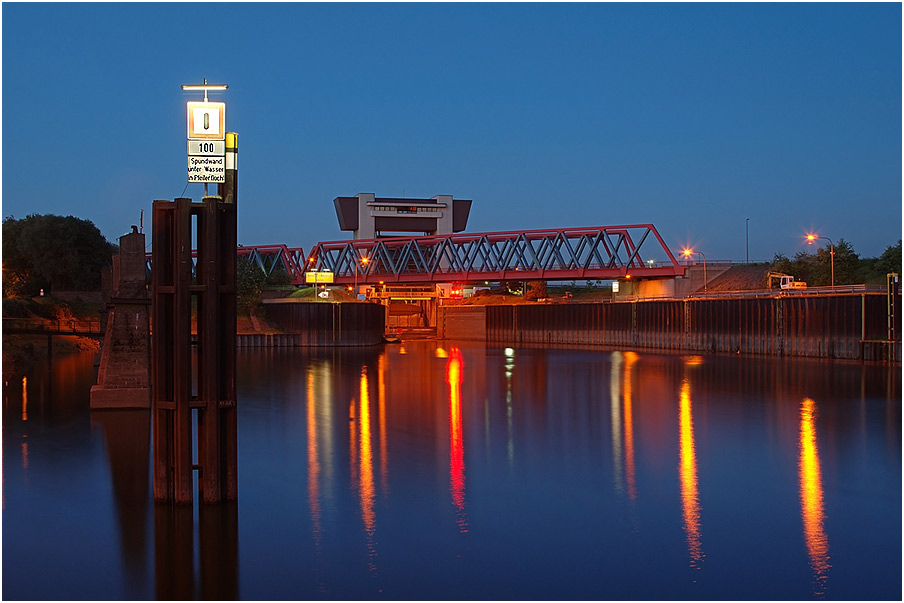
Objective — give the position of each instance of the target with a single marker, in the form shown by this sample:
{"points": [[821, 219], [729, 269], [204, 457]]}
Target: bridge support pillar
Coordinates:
{"points": [[193, 370], [123, 377]]}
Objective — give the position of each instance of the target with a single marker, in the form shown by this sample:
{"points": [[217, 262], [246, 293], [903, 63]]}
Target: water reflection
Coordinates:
{"points": [[127, 437], [456, 439], [316, 509], [811, 497], [365, 467], [628, 411], [509, 410], [313, 462], [615, 402], [690, 498]]}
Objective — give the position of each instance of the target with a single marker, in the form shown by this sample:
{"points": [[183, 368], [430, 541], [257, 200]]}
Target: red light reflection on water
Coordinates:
{"points": [[456, 440]]}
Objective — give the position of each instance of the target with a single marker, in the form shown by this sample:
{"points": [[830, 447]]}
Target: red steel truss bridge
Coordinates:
{"points": [[597, 253], [594, 253]]}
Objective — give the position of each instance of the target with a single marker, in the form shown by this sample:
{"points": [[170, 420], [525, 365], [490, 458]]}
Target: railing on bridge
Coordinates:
{"points": [[606, 252], [51, 327]]}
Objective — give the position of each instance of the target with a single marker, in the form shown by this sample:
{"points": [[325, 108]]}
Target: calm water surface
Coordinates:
{"points": [[432, 470]]}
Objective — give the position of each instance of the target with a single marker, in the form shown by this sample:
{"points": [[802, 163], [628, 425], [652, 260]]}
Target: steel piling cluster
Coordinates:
{"points": [[832, 326]]}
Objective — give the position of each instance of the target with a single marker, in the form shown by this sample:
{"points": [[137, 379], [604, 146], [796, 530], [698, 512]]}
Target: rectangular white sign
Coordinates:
{"points": [[209, 148], [206, 169]]}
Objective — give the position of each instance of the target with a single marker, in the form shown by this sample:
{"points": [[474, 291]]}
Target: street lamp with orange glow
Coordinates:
{"points": [[688, 253], [813, 237], [364, 261]]}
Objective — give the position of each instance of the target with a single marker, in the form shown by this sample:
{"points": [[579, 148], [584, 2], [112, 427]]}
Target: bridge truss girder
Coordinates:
{"points": [[598, 253]]}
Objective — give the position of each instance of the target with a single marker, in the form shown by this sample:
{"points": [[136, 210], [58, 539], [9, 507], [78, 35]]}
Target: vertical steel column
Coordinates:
{"points": [[226, 329], [214, 290], [171, 350]]}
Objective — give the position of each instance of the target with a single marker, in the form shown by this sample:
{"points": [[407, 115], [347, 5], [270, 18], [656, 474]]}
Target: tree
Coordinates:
{"points": [[279, 277], [53, 252], [249, 282], [890, 260], [535, 290]]}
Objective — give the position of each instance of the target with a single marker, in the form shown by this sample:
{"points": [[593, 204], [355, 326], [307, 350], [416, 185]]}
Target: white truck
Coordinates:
{"points": [[785, 281]]}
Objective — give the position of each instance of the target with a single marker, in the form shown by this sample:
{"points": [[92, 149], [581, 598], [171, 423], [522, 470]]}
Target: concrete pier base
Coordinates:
{"points": [[123, 377]]}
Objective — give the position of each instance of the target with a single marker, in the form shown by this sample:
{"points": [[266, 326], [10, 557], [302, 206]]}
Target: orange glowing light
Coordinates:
{"points": [[690, 497], [365, 260], [812, 507]]}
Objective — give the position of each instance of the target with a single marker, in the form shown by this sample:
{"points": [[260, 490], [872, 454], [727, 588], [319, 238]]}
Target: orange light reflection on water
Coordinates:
{"points": [[24, 398], [630, 472], [365, 463], [313, 463], [690, 497], [811, 496], [456, 438]]}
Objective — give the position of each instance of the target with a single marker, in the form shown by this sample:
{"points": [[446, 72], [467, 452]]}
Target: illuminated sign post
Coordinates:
{"points": [[206, 137], [318, 277]]}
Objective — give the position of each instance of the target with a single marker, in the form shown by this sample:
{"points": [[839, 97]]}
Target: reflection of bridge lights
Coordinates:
{"points": [[692, 360], [812, 505], [687, 469], [456, 438], [24, 398]]}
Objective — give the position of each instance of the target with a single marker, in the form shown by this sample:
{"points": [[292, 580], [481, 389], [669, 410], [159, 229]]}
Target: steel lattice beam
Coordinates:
{"points": [[599, 253]]}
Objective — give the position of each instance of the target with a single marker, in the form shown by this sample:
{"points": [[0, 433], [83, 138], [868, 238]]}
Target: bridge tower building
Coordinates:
{"points": [[369, 217]]}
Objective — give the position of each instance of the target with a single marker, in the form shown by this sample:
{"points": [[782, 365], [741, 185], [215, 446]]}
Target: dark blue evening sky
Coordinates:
{"points": [[692, 117]]}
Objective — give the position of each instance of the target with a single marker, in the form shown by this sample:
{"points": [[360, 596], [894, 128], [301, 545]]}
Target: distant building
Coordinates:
{"points": [[370, 218]]}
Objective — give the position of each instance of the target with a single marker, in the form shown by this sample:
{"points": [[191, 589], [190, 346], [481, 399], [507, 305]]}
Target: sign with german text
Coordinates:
{"points": [[206, 169]]}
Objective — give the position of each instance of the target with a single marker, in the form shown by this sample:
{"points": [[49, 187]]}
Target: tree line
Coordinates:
{"points": [[52, 252], [815, 269]]}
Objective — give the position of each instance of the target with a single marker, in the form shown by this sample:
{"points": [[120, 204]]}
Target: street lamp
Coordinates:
{"points": [[747, 238], [688, 253], [813, 237], [364, 261]]}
